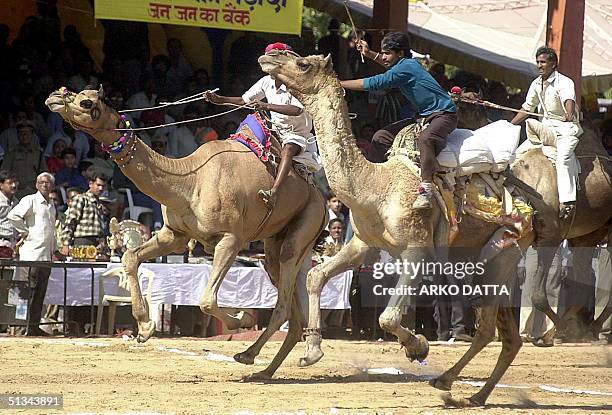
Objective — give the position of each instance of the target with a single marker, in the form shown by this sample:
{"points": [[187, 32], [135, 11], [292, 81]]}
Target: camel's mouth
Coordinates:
{"points": [[55, 102], [268, 63]]}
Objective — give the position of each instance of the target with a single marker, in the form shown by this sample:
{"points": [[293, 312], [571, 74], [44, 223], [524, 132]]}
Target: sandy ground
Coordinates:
{"points": [[181, 376]]}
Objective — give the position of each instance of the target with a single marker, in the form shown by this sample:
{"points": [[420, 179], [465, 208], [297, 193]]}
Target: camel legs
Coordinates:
{"points": [[351, 255], [225, 253], [539, 299], [164, 242], [484, 334], [295, 248], [497, 308], [390, 320], [272, 248], [296, 323], [511, 344]]}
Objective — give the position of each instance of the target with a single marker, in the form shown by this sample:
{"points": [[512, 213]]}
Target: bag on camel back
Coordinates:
{"points": [[488, 149]]}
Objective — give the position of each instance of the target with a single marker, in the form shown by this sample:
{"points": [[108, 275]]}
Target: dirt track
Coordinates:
{"points": [[115, 376]]}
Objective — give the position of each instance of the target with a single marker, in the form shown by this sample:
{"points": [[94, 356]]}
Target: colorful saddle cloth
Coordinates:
{"points": [[253, 133]]}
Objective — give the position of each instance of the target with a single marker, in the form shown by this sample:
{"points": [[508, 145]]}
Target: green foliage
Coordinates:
{"points": [[317, 22]]}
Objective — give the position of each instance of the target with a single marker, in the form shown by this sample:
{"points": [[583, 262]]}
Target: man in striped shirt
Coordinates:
{"points": [[84, 217]]}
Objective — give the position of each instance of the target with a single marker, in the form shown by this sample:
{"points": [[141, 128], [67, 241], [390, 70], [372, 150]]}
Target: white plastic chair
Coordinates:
{"points": [[133, 212], [123, 297]]}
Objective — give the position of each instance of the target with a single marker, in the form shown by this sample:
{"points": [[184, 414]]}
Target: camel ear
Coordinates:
{"points": [[101, 92], [328, 61]]}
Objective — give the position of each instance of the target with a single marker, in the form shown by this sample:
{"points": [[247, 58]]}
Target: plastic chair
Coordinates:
{"points": [[133, 212], [124, 295]]}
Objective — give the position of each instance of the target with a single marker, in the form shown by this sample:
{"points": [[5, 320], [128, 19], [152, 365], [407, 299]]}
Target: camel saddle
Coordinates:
{"points": [[254, 134]]}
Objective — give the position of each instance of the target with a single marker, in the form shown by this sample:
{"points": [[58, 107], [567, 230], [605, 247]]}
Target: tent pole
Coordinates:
{"points": [[565, 33]]}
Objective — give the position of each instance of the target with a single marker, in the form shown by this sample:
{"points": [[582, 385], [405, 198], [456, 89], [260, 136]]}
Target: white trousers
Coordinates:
{"points": [[567, 134]]}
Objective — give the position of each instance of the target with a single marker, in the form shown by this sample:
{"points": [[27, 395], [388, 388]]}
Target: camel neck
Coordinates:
{"points": [[345, 167], [165, 180]]}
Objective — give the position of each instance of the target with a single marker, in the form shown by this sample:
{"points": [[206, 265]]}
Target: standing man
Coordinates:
{"points": [[84, 218], [8, 200], [427, 97], [293, 124], [34, 219], [554, 95]]}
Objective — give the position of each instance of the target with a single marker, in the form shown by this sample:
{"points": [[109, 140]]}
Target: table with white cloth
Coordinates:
{"points": [[184, 284]]}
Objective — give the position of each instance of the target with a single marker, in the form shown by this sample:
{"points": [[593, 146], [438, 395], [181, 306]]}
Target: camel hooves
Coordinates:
{"points": [[311, 358], [145, 331], [440, 383], [244, 358], [459, 402], [257, 377], [421, 352]]}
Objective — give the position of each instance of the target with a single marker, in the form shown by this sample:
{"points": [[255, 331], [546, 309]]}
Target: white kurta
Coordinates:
{"points": [[35, 217], [549, 97], [291, 129]]}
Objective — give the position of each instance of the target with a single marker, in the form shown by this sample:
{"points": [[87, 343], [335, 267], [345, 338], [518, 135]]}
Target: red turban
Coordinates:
{"points": [[278, 46]]}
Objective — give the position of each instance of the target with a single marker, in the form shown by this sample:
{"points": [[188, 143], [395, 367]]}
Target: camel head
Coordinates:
{"points": [[302, 75], [86, 111], [470, 116]]}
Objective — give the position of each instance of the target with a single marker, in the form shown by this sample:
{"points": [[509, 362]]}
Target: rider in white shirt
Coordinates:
{"points": [[289, 119], [554, 96]]}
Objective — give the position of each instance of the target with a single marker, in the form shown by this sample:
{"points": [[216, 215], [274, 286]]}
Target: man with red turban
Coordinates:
{"points": [[289, 120]]}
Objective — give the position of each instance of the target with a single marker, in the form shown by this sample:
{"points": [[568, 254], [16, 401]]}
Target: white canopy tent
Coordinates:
{"points": [[494, 38]]}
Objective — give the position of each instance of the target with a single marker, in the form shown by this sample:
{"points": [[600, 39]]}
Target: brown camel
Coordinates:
{"points": [[211, 196], [591, 224], [380, 197]]}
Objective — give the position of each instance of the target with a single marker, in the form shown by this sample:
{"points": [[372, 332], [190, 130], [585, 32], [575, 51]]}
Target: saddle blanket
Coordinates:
{"points": [[253, 133]]}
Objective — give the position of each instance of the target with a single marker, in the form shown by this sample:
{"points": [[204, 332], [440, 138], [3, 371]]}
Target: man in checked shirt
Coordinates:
{"points": [[84, 217]]}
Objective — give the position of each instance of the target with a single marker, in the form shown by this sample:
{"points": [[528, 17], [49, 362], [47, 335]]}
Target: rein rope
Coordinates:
{"points": [[481, 102]]}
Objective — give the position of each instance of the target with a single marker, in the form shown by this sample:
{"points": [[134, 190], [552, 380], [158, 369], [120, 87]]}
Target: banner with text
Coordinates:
{"points": [[274, 16]]}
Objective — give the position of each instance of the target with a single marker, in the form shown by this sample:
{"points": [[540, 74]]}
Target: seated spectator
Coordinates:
{"points": [[70, 176], [156, 117], [189, 89], [29, 106], [334, 207], [145, 98], [55, 163], [78, 140], [8, 138], [25, 160], [182, 142], [202, 79], [179, 69]]}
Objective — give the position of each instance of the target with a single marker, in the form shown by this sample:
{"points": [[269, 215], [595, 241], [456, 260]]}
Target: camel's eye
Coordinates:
{"points": [[86, 103], [303, 65]]}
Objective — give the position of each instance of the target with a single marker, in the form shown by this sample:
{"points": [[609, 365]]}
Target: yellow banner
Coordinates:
{"points": [[273, 16]]}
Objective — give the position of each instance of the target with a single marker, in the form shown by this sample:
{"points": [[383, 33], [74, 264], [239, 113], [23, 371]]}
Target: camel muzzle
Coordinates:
{"points": [[55, 102]]}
